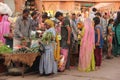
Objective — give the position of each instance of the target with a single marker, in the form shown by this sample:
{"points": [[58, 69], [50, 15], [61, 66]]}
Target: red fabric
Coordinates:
{"points": [[0, 18], [98, 56], [110, 39]]}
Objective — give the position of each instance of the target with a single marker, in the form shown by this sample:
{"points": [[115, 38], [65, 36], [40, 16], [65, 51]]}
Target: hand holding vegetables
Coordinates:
{"points": [[47, 37]]}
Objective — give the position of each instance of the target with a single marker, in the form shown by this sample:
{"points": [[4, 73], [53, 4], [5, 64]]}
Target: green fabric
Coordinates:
{"points": [[91, 67], [118, 33], [116, 49], [116, 41]]}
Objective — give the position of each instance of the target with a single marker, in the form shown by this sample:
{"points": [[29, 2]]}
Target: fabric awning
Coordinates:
{"points": [[100, 5]]}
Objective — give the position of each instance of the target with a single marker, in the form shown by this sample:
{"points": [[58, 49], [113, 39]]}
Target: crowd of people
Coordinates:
{"points": [[73, 40]]}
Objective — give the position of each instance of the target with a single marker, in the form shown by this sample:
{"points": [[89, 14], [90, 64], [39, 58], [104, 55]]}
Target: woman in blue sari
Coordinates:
{"points": [[48, 64]]}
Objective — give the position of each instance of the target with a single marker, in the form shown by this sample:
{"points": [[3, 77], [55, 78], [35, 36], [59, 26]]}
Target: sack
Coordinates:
{"points": [[4, 9]]}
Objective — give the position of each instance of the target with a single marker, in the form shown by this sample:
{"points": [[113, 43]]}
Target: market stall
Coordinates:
{"points": [[26, 59], [18, 61]]}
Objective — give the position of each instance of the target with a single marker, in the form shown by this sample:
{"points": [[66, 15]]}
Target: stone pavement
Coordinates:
{"points": [[110, 70]]}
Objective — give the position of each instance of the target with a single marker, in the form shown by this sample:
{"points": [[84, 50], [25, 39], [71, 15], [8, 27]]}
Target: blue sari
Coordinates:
{"points": [[48, 64]]}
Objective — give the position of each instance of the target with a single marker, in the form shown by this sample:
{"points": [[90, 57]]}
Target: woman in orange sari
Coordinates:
{"points": [[86, 55]]}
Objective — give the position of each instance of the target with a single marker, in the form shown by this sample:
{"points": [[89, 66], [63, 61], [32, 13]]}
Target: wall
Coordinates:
{"points": [[51, 5], [54, 5], [19, 5], [67, 6], [39, 5], [107, 0], [1, 0]]}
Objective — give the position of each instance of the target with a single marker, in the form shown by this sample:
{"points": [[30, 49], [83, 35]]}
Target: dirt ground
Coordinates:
{"points": [[110, 70]]}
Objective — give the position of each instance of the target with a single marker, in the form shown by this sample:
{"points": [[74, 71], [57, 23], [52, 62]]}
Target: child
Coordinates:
{"points": [[109, 38], [98, 42]]}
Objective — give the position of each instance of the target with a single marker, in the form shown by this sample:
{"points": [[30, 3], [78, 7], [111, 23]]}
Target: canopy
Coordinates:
{"points": [[100, 5]]}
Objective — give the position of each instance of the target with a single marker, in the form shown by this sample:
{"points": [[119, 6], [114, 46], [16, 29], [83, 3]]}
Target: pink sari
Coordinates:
{"points": [[4, 28], [87, 47]]}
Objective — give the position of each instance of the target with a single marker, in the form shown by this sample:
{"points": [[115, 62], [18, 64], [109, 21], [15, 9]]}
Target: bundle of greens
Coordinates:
{"points": [[5, 49], [47, 38]]}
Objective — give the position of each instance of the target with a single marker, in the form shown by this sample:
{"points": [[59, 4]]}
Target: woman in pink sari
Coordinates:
{"points": [[4, 28], [86, 57]]}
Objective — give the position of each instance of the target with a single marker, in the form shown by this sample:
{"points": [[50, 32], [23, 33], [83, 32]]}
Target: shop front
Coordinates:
{"points": [[54, 5]]}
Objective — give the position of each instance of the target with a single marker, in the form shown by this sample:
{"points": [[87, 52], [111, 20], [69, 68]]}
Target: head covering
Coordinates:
{"points": [[49, 22]]}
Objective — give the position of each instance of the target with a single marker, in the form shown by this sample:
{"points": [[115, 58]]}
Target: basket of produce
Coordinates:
{"points": [[4, 49]]}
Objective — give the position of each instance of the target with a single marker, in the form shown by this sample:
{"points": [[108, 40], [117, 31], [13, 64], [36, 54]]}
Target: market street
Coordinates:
{"points": [[110, 70], [59, 39]]}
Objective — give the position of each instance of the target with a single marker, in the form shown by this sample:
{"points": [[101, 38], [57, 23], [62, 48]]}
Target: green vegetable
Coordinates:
{"points": [[47, 37], [5, 49], [35, 50], [29, 50]]}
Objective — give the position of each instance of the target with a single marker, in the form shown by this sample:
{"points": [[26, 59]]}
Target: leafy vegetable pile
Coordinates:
{"points": [[27, 50], [5, 49]]}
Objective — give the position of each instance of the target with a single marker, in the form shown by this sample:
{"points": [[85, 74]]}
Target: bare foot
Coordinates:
{"points": [[97, 68]]}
